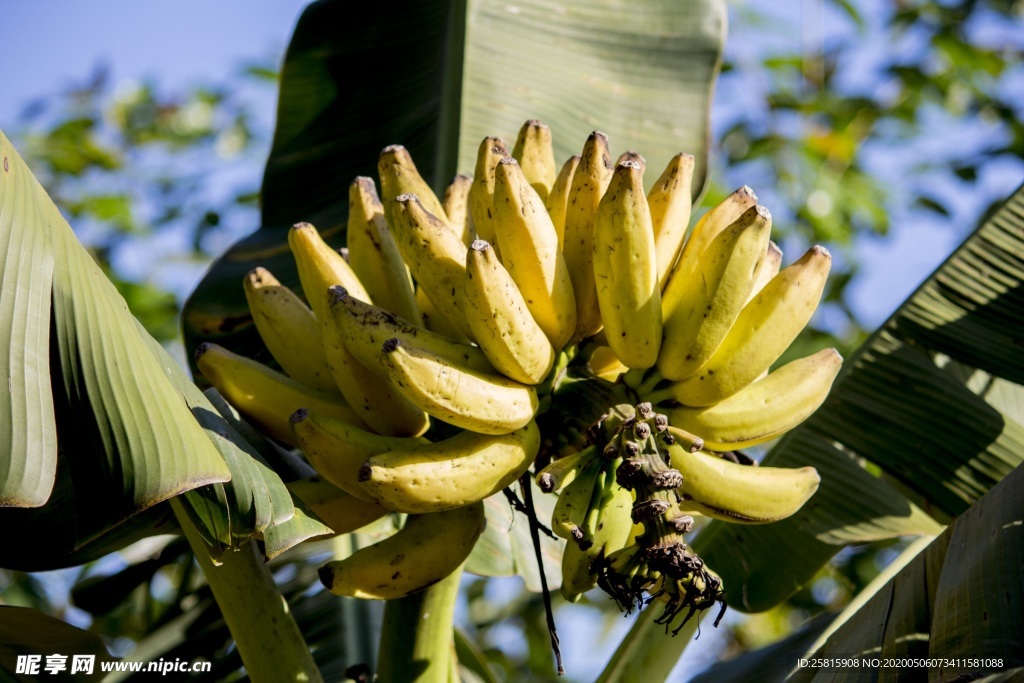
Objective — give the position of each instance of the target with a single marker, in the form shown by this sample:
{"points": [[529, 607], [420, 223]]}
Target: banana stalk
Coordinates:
{"points": [[265, 632]]}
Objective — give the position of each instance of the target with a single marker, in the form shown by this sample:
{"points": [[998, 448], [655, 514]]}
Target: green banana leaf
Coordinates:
{"points": [[100, 424], [932, 400], [440, 77], [25, 631]]}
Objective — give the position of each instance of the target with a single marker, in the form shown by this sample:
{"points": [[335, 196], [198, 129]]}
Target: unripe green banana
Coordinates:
{"points": [[398, 176], [670, 201], [573, 502], [289, 329], [626, 270], [380, 404], [436, 257], [336, 508], [535, 155], [481, 194], [337, 450], [501, 321], [717, 292], [765, 328], [589, 183], [529, 250], [265, 397], [456, 205], [558, 199], [365, 327], [458, 471], [373, 254], [721, 489], [488, 404], [427, 549], [717, 219], [563, 471], [765, 409], [320, 267]]}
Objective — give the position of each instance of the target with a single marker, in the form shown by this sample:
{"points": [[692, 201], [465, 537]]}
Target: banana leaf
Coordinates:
{"points": [[932, 400], [25, 631], [440, 77]]}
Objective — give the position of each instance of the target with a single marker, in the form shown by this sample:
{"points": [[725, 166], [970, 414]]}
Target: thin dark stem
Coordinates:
{"points": [[535, 535]]}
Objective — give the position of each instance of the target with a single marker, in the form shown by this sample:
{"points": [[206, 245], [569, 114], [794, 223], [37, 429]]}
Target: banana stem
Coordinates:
{"points": [[648, 653], [265, 632], [416, 638]]}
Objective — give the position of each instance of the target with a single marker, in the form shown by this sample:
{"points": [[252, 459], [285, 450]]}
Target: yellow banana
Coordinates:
{"points": [[436, 257], [570, 510], [558, 198], [501, 320], [765, 409], [589, 183], [265, 397], [721, 489], [764, 329], [535, 155], [717, 219], [484, 403], [605, 364], [434, 321], [337, 450], [289, 329], [670, 201], [398, 176], [563, 471], [481, 194], [365, 327], [340, 510], [767, 268], [320, 267], [626, 270], [427, 549], [380, 405], [717, 292], [373, 254], [528, 245], [456, 205], [458, 471]]}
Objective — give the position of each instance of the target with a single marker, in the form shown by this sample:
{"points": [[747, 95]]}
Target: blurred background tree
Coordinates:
{"points": [[885, 130]]}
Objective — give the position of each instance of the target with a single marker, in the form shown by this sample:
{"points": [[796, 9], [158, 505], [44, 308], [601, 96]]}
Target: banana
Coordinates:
{"points": [[765, 409], [501, 321], [484, 403], [381, 405], [436, 257], [374, 255], [626, 270], [398, 176], [589, 182], [605, 364], [671, 202], [365, 327], [563, 471], [340, 510], [481, 194], [717, 291], [605, 532], [434, 321], [573, 502], [320, 267], [337, 450], [427, 549], [288, 329], [535, 155], [764, 329], [456, 205], [265, 397], [721, 489], [767, 268], [717, 219], [558, 199], [528, 245], [458, 471], [635, 157]]}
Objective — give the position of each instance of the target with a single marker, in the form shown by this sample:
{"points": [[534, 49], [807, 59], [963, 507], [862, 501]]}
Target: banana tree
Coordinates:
{"points": [[152, 454]]}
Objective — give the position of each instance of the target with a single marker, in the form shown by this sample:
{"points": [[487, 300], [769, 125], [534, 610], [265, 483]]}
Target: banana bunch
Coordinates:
{"points": [[412, 368]]}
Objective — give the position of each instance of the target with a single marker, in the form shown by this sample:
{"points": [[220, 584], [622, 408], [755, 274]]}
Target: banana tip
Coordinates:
{"points": [[390, 345], [298, 416], [365, 472], [303, 226], [202, 349], [326, 576], [480, 245], [336, 294]]}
